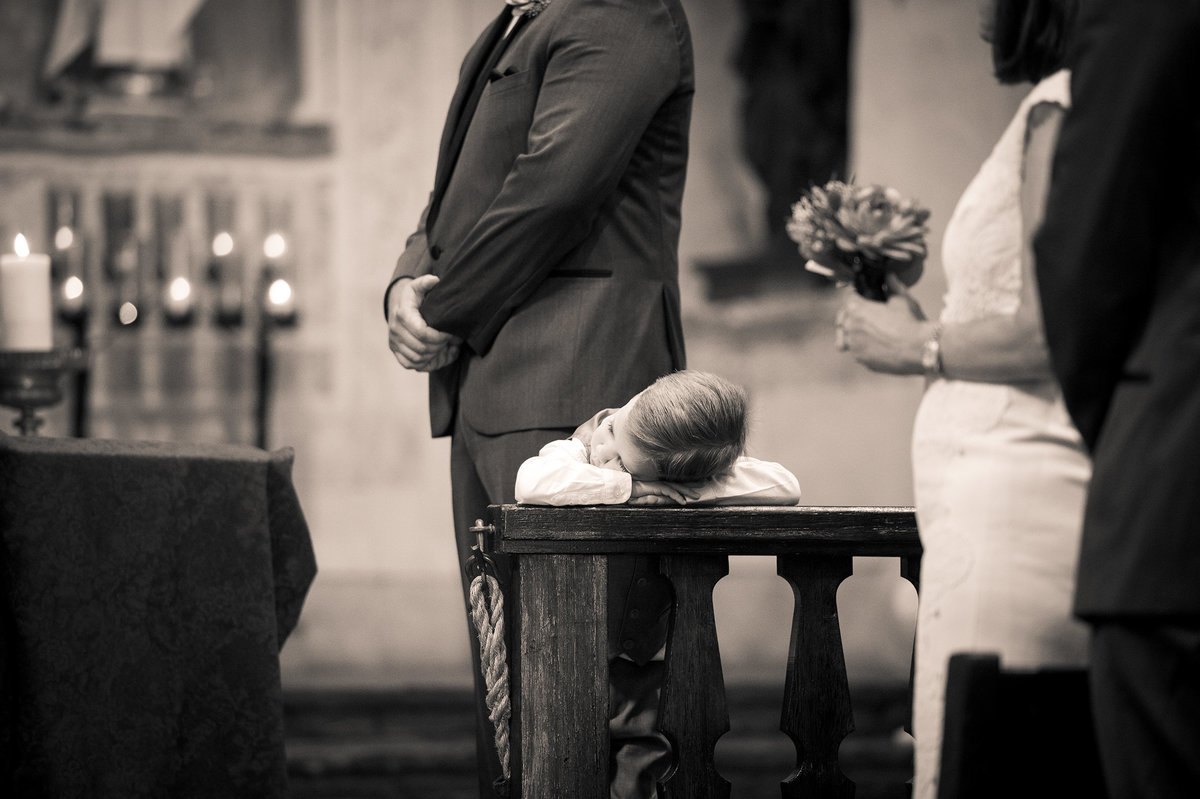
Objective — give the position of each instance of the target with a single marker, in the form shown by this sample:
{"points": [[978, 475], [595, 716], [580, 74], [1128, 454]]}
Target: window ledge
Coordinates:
{"points": [[117, 135]]}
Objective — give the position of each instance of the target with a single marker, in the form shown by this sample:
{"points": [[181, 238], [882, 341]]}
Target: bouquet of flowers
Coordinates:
{"points": [[860, 234]]}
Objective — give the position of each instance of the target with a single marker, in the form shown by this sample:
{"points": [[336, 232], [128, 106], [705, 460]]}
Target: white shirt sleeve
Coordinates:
{"points": [[750, 482], [561, 475]]}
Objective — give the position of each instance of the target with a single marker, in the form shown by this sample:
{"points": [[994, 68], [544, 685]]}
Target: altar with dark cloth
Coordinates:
{"points": [[147, 589]]}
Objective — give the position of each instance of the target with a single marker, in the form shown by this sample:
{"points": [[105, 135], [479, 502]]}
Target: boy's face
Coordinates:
{"points": [[614, 448]]}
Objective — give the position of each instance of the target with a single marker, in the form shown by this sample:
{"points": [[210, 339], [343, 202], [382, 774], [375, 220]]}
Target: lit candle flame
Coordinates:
{"points": [[222, 244], [72, 288], [127, 313], [180, 289], [20, 246], [279, 292], [274, 246], [64, 237]]}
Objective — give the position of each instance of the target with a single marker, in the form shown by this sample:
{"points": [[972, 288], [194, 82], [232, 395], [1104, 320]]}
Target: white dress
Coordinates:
{"points": [[999, 470]]}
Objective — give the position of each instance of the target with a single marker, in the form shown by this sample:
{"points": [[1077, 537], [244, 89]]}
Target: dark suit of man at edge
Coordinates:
{"points": [[1118, 267]]}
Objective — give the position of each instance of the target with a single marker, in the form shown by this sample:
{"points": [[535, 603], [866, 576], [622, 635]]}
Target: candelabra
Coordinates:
{"points": [[72, 287], [277, 302], [30, 380]]}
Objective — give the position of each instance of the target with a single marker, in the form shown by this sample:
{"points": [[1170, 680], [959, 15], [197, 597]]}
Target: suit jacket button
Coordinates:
{"points": [[635, 614], [627, 644]]}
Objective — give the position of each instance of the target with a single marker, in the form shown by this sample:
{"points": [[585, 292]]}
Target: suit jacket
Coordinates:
{"points": [[1118, 264], [556, 234]]}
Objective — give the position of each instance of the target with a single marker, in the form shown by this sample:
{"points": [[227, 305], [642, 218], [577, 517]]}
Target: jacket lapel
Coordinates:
{"points": [[459, 116]]}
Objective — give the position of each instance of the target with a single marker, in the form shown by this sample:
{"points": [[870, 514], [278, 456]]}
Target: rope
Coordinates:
{"points": [[487, 614]]}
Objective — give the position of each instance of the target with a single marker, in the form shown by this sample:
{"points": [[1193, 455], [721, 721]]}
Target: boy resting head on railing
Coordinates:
{"points": [[681, 440]]}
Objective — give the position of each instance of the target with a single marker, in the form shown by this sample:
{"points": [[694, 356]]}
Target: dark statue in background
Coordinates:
{"points": [[794, 61]]}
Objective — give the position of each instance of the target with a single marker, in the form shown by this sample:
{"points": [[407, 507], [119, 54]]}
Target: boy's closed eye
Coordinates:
{"points": [[609, 424]]}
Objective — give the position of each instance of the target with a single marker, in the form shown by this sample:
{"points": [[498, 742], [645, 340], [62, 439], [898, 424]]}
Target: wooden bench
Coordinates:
{"points": [[559, 651], [997, 717]]}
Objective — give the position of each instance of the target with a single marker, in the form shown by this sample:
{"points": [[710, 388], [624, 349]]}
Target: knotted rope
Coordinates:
{"points": [[487, 616]]}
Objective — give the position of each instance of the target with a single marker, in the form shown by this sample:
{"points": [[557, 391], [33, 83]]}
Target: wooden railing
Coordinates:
{"points": [[559, 650]]}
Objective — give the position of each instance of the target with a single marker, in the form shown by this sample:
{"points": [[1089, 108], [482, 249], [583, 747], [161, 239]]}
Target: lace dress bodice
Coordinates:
{"points": [[981, 250]]}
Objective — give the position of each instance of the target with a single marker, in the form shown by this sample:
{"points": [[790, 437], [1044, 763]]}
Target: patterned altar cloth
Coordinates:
{"points": [[146, 590]]}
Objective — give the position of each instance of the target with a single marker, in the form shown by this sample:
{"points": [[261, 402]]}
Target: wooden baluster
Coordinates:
{"points": [[910, 569], [692, 711], [560, 677], [817, 713]]}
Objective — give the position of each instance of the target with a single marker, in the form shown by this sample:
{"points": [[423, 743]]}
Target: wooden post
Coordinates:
{"points": [[560, 680], [817, 713], [692, 710]]}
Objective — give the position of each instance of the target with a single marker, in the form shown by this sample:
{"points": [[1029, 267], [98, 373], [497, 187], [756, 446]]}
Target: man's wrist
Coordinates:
{"points": [[387, 295]]}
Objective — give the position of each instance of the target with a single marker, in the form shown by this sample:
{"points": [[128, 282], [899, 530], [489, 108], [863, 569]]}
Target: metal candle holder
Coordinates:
{"points": [[32, 380]]}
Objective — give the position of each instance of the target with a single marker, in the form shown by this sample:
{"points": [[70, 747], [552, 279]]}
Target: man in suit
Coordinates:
{"points": [[1118, 263], [542, 281]]}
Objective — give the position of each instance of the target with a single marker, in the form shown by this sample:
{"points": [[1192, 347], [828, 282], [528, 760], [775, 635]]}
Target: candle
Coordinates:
{"points": [[177, 301], [178, 297], [25, 306], [281, 300]]}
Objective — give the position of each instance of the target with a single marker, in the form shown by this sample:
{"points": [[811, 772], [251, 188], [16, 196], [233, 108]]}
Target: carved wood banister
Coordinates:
{"points": [[693, 720], [559, 649]]}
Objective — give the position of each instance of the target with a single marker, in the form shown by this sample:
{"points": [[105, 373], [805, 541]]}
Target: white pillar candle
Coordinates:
{"points": [[26, 318]]}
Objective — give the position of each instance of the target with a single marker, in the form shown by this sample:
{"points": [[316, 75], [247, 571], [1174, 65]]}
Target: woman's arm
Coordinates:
{"points": [[890, 337], [1012, 348]]}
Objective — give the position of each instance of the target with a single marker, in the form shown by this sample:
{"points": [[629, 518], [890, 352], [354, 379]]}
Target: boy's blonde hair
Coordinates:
{"points": [[690, 424]]}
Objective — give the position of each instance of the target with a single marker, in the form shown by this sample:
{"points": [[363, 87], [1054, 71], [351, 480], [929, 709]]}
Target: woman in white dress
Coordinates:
{"points": [[1000, 472]]}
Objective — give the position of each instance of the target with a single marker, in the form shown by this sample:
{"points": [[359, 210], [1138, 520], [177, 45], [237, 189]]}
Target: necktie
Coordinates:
{"points": [[482, 78]]}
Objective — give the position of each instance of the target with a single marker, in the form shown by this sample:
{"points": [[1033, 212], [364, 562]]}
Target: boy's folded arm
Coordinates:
{"points": [[571, 449], [560, 475], [750, 482], [555, 480]]}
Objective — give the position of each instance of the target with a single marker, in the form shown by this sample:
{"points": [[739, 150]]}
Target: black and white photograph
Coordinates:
{"points": [[599, 399]]}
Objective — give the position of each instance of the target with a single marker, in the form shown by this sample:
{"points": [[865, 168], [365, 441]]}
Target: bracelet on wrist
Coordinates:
{"points": [[931, 353]]}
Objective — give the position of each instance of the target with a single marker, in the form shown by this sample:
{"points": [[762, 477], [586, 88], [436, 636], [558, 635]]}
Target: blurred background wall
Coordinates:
{"points": [[351, 165]]}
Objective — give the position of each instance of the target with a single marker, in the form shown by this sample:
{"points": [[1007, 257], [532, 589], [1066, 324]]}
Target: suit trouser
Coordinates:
{"points": [[483, 471], [1145, 684], [639, 755]]}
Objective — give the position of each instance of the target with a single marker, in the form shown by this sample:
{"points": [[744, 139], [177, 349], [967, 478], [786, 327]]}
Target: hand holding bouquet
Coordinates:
{"points": [[869, 236]]}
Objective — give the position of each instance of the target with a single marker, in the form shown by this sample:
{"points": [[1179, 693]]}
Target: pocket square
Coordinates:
{"points": [[496, 74]]}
